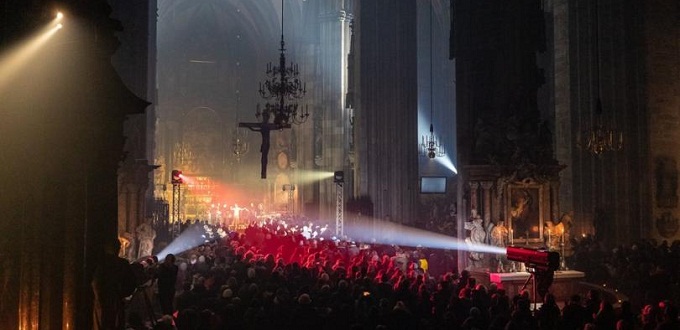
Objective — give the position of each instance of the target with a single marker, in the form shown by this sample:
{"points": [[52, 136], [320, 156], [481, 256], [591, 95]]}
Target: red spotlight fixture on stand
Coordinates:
{"points": [[177, 180], [541, 264]]}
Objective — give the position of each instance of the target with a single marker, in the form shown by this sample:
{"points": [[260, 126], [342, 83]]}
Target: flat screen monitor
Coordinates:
{"points": [[433, 185]]}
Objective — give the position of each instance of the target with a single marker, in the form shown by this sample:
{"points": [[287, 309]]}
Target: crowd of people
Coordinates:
{"points": [[280, 275], [647, 271]]}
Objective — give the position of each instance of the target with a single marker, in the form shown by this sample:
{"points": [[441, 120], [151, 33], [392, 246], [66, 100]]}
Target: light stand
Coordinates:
{"points": [[290, 188], [177, 182], [540, 264], [543, 276], [339, 179]]}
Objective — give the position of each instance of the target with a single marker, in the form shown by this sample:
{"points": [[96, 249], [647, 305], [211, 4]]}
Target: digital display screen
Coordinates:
{"points": [[433, 185]]}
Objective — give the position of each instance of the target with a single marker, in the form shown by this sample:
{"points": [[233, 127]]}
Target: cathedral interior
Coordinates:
{"points": [[540, 112]]}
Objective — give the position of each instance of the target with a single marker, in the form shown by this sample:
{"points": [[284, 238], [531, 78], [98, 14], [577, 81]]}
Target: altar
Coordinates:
{"points": [[565, 283]]}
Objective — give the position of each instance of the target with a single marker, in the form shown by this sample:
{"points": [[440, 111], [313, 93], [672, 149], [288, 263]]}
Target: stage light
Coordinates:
{"points": [[177, 177], [60, 15], [339, 177], [539, 259]]}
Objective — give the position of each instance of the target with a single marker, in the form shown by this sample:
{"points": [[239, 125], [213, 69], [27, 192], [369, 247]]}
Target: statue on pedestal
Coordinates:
{"points": [[126, 248], [145, 235], [477, 236], [499, 236]]}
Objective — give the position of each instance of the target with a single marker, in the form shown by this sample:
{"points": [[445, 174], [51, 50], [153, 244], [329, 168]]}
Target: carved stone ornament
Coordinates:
{"points": [[667, 225]]}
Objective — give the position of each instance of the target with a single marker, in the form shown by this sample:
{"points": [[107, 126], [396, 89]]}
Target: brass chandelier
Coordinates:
{"points": [[599, 138], [283, 86], [430, 146]]}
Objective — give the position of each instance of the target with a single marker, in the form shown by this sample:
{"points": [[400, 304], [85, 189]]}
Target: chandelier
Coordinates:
{"points": [[183, 154], [282, 88], [239, 146], [430, 146], [599, 138]]}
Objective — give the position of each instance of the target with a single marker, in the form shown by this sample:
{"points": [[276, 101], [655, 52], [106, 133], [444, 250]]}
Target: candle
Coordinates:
{"points": [[549, 239], [512, 239]]}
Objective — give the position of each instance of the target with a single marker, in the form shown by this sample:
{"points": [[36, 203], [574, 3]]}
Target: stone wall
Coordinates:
{"points": [[662, 83]]}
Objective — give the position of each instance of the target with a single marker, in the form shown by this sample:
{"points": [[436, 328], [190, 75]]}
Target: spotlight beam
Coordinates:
{"points": [[190, 238], [384, 232], [307, 177], [13, 62], [446, 162]]}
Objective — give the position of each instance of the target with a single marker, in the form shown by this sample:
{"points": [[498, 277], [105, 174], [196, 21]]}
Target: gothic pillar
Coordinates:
{"points": [[386, 41], [334, 39]]}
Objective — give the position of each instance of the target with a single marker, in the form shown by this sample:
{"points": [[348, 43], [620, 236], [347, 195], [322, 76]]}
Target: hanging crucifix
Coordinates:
{"points": [[284, 84], [265, 129]]}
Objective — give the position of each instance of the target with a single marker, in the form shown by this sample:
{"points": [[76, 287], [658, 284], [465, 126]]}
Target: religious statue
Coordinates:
{"points": [[264, 128], [566, 221], [145, 234], [126, 239], [477, 236], [553, 233], [500, 234]]}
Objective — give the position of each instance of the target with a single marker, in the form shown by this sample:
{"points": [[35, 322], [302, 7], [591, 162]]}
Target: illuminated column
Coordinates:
{"points": [[486, 194], [331, 88]]}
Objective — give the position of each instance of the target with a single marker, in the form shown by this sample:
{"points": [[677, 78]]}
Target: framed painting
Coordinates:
{"points": [[525, 213]]}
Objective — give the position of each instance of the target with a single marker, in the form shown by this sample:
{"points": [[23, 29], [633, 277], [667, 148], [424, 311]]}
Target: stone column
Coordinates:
{"points": [[474, 203], [334, 32], [386, 44], [554, 200], [486, 194]]}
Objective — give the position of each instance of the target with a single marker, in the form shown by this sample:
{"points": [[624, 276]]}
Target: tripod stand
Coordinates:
{"points": [[141, 291], [540, 276]]}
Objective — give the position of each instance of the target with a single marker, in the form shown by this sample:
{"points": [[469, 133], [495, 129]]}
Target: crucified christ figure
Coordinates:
{"points": [[264, 128]]}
